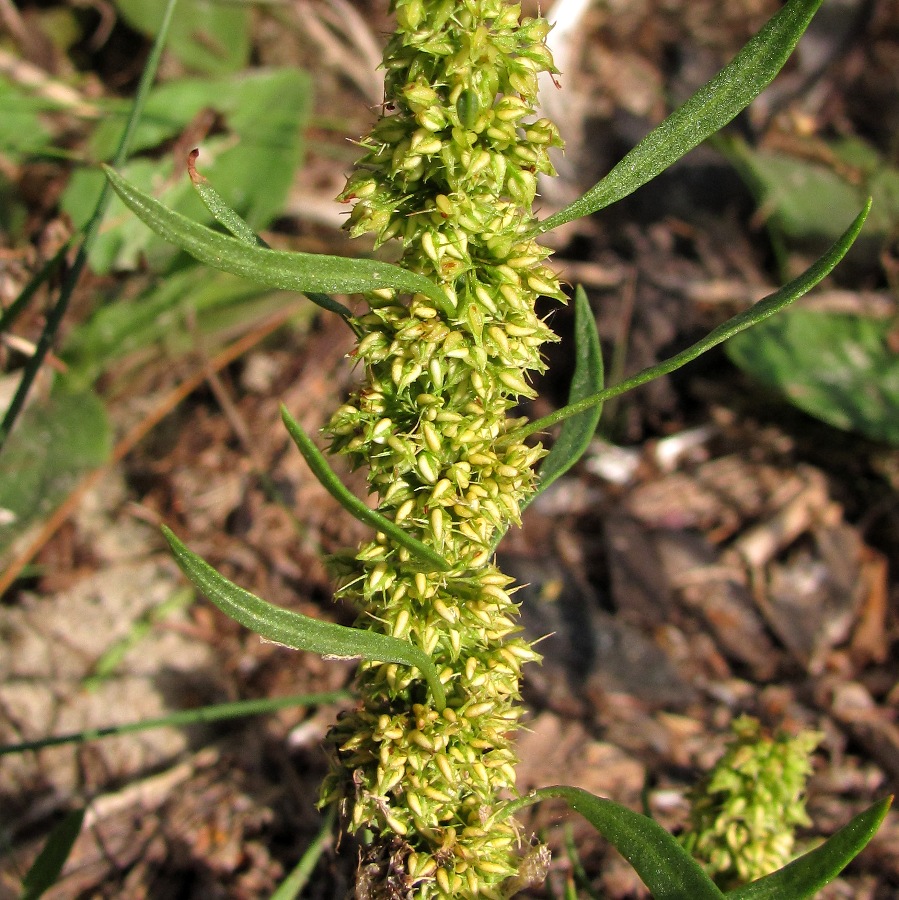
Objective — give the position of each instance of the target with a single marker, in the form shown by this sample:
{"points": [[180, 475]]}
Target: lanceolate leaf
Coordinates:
{"points": [[707, 111], [760, 311], [303, 272], [283, 626], [231, 220], [351, 503], [666, 868], [805, 876], [46, 869], [587, 380]]}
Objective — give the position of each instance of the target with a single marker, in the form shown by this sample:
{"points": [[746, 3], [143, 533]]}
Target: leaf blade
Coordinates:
{"points": [[350, 502], [665, 867], [588, 379], [810, 872], [760, 311], [714, 105], [299, 632], [229, 218], [302, 272]]}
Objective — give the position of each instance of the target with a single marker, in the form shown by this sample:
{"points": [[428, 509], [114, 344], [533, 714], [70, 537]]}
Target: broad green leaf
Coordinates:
{"points": [[60, 306], [804, 201], [805, 876], [169, 109], [766, 307], [842, 369], [587, 380], [252, 158], [207, 35], [23, 131], [707, 111], [665, 867], [46, 869], [291, 629], [303, 272], [267, 110], [351, 503], [54, 443]]}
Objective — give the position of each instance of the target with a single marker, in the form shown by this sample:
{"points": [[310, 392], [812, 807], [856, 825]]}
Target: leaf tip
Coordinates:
{"points": [[173, 542], [195, 176]]}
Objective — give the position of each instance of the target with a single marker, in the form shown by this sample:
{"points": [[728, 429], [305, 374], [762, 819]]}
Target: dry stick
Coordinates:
{"points": [[135, 436]]}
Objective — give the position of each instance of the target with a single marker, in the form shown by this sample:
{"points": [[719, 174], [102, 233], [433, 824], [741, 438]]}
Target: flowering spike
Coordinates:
{"points": [[451, 169]]}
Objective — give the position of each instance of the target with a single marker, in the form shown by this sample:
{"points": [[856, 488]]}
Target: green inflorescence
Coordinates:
{"points": [[450, 170], [745, 813]]}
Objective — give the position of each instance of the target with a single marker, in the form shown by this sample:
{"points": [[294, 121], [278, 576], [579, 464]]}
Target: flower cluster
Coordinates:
{"points": [[745, 812], [450, 170]]}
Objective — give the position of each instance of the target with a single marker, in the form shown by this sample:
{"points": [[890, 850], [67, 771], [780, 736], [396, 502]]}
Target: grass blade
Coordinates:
{"points": [[666, 868], [291, 629], [351, 503], [9, 315], [302, 272], [56, 315], [216, 712], [290, 888], [707, 111]]}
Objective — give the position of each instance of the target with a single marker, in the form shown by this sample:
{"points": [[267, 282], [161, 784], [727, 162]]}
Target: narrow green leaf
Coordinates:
{"points": [[805, 876], [45, 870], [666, 868], [351, 503], [303, 272], [707, 111], [221, 212], [578, 431], [282, 626], [757, 313], [230, 219]]}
